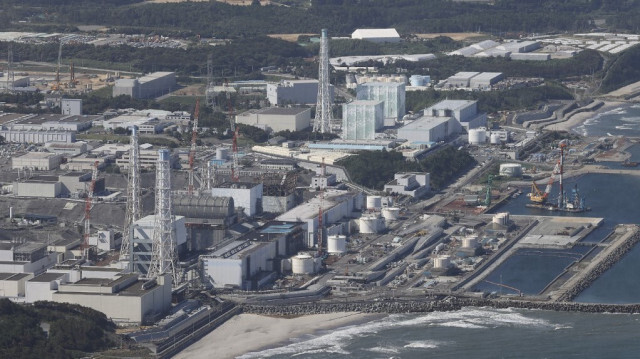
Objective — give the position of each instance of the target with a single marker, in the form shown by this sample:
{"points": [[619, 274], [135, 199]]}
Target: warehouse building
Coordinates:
{"points": [[299, 92], [376, 35], [475, 48], [66, 149], [461, 79], [361, 119], [37, 161], [55, 122], [485, 80], [38, 186], [464, 111], [430, 129], [12, 285], [414, 184], [392, 94], [252, 261], [85, 162], [247, 196], [275, 119], [149, 86], [37, 137]]}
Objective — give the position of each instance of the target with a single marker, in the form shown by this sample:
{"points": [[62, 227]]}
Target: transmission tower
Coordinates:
{"points": [[194, 140], [322, 121], [210, 94], [134, 208], [163, 248]]}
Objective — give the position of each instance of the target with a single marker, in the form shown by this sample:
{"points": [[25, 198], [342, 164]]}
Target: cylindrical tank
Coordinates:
{"points": [[477, 136], [371, 224], [501, 218], [391, 213], [417, 80], [337, 244], [302, 264], [441, 262], [75, 275], [440, 247], [222, 153], [495, 139], [374, 202], [203, 206], [469, 242], [511, 169]]}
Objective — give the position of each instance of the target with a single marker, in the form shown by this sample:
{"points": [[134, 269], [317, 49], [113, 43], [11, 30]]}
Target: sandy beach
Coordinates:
{"points": [[250, 332], [579, 118]]}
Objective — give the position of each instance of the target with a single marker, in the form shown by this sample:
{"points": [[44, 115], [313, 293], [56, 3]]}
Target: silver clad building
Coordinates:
{"points": [[149, 86], [391, 93], [361, 119]]}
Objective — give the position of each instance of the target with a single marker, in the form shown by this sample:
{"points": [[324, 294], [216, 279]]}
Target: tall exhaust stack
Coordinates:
{"points": [[163, 249], [322, 121], [134, 208]]}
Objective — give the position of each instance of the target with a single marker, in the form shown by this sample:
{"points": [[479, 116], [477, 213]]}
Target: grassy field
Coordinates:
{"points": [[183, 100]]}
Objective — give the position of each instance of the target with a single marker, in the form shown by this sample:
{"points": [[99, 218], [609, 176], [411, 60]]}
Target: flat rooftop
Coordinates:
{"points": [[425, 123], [452, 104], [8, 117], [37, 155], [47, 277], [282, 110], [237, 185]]}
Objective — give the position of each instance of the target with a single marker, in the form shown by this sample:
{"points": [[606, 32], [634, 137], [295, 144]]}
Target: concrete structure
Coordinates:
{"points": [[391, 213], [302, 92], [429, 129], [461, 79], [85, 163], [464, 111], [475, 48], [12, 285], [71, 106], [248, 263], [412, 184], [149, 86], [38, 186], [323, 181], [143, 232], [37, 137], [247, 196], [79, 183], [28, 257], [125, 299], [361, 119], [37, 161], [485, 80], [274, 119], [303, 264], [392, 94], [147, 159], [43, 286], [536, 56], [376, 35]]}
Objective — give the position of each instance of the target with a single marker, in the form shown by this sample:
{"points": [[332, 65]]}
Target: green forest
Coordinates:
{"points": [[73, 330], [373, 169]]}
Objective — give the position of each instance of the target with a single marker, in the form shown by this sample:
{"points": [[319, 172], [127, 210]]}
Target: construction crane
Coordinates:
{"points": [[235, 169], [89, 204], [539, 197], [56, 85], [72, 76], [192, 152]]}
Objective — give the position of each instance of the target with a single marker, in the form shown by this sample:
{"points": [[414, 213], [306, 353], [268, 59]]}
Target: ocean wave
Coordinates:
{"points": [[425, 344], [633, 119], [624, 127], [385, 350], [336, 340], [616, 111]]}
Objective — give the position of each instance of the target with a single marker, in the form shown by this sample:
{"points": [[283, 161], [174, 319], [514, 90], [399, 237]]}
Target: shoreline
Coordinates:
{"points": [[579, 118], [264, 331]]}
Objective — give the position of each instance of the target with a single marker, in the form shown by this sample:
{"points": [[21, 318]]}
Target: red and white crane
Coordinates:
{"points": [[89, 204], [192, 152]]}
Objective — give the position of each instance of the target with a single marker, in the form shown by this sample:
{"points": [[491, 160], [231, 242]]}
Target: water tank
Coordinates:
{"points": [[222, 153], [302, 264], [441, 262], [75, 275], [391, 213], [419, 80], [501, 218], [469, 242], [495, 138], [477, 136], [371, 224], [337, 244], [374, 202], [440, 247], [511, 169]]}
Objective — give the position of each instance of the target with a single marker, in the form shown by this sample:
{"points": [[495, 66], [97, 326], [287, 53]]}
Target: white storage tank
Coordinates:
{"points": [[477, 136], [371, 224], [511, 169], [419, 80], [441, 262], [391, 213], [470, 242], [302, 264], [222, 153], [495, 138], [501, 218], [337, 244], [374, 202]]}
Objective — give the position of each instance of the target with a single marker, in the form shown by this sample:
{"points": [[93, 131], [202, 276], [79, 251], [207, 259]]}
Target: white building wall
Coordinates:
{"points": [[361, 119], [224, 271], [37, 137], [37, 189], [248, 198], [391, 93]]}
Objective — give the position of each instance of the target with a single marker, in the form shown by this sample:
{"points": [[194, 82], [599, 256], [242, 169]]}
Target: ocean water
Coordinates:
{"points": [[473, 333], [624, 120]]}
